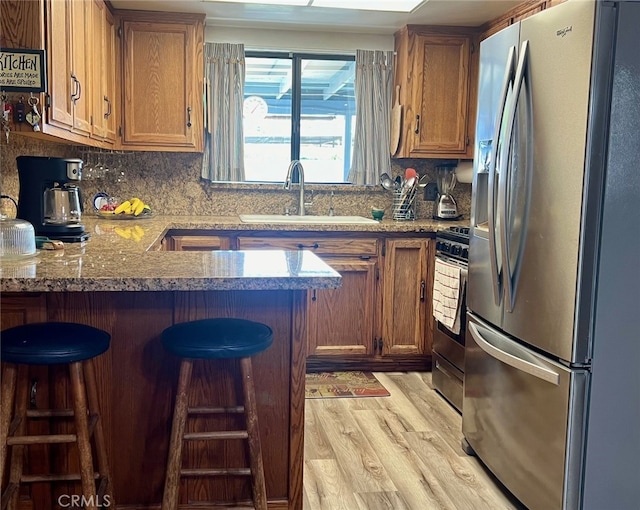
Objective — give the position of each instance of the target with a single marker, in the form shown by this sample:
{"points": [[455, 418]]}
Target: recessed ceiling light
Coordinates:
{"points": [[370, 5], [363, 5], [267, 2]]}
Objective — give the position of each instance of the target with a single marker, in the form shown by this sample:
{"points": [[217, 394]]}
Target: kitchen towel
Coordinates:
{"points": [[448, 287]]}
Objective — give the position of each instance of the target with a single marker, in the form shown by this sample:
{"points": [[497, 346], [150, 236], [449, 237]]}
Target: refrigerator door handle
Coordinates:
{"points": [[493, 251], [508, 281], [515, 358]]}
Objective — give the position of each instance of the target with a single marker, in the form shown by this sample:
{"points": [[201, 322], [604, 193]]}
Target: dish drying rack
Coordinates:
{"points": [[404, 201]]}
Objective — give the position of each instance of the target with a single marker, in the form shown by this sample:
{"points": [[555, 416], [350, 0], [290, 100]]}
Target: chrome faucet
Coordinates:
{"points": [[287, 184]]}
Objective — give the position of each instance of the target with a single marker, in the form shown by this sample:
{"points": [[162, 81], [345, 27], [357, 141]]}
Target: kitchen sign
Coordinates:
{"points": [[22, 70]]}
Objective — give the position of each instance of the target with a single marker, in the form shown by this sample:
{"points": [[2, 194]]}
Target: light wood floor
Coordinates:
{"points": [[394, 453]]}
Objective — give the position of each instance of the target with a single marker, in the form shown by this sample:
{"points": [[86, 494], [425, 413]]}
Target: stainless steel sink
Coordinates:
{"points": [[307, 219]]}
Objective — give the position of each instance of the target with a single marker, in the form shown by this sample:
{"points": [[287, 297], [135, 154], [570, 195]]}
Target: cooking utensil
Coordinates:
{"points": [[409, 173], [386, 182], [398, 182], [396, 123]]}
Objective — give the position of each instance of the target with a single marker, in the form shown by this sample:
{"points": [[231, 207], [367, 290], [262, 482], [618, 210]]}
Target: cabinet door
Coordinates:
{"points": [[199, 243], [60, 68], [103, 72], [82, 55], [441, 94], [406, 303], [342, 321], [162, 103], [69, 50]]}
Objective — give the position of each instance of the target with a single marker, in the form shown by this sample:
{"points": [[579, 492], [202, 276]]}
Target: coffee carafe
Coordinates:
{"points": [[445, 207], [49, 198]]}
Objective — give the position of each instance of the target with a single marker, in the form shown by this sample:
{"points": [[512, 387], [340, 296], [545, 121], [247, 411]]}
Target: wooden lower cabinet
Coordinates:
{"points": [[342, 322], [378, 319], [197, 243], [406, 304]]}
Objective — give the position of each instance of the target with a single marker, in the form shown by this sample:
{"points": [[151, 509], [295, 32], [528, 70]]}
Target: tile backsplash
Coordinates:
{"points": [[171, 184]]}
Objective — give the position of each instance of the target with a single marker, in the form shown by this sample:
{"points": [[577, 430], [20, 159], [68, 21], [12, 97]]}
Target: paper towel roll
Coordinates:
{"points": [[464, 172]]}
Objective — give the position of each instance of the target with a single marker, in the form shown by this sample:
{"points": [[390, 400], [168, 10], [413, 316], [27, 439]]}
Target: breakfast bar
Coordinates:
{"points": [[126, 286]]}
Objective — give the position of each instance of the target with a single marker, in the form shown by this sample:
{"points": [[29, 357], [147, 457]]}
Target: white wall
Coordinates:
{"points": [[296, 40]]}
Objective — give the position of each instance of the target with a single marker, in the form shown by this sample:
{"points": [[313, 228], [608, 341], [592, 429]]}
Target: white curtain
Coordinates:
{"points": [[373, 90], [224, 95]]}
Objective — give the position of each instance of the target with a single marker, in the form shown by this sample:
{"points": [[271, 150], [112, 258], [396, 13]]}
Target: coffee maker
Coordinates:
{"points": [[49, 198], [445, 207]]}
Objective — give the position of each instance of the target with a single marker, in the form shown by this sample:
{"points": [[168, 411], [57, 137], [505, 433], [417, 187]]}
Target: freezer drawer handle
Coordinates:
{"points": [[529, 367]]}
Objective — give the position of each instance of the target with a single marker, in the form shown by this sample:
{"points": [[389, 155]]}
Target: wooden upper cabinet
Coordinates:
{"points": [[103, 72], [436, 77], [407, 291], [163, 70], [69, 55]]}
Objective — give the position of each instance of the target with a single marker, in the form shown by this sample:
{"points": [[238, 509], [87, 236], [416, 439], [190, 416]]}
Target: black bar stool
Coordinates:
{"points": [[53, 343], [215, 339]]}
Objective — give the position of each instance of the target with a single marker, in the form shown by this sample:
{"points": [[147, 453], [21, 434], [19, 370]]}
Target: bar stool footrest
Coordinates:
{"points": [[44, 439], [216, 410], [70, 477], [227, 434], [216, 472]]}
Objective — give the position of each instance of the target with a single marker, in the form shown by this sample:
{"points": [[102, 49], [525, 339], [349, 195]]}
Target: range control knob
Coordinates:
{"points": [[446, 247], [465, 253], [456, 249]]}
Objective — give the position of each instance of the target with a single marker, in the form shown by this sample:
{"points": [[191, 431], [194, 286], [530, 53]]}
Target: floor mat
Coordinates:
{"points": [[343, 384]]}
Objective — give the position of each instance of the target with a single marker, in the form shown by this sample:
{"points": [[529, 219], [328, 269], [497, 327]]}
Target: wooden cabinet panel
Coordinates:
{"points": [[59, 64], [406, 307], [319, 245], [82, 55], [435, 73], [198, 243], [342, 321], [162, 83], [19, 309], [443, 70], [103, 72], [69, 52]]}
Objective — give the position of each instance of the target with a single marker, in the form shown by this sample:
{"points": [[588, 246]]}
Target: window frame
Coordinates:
{"points": [[296, 88]]}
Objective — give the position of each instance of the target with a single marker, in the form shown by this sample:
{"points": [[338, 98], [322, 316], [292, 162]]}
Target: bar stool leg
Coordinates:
{"points": [[17, 451], [9, 376], [78, 392], [98, 433], [174, 464], [255, 449]]}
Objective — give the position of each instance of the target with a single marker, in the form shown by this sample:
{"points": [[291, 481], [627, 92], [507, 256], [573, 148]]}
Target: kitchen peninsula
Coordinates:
{"points": [[113, 283]]}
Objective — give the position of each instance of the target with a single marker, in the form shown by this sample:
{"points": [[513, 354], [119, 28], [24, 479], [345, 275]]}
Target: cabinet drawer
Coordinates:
{"points": [[319, 245]]}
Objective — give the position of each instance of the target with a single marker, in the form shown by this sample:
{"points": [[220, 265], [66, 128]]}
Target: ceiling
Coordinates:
{"points": [[431, 12]]}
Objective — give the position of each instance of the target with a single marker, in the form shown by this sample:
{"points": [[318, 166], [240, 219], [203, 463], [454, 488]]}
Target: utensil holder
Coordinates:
{"points": [[404, 204]]}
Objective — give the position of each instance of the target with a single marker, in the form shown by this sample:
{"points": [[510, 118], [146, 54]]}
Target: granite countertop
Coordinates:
{"points": [[123, 255]]}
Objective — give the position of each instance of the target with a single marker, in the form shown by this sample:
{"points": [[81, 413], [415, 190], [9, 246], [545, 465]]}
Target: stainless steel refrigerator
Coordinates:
{"points": [[552, 369]]}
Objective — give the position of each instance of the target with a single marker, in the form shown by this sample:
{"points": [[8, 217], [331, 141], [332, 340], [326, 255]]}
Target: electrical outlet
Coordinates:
{"points": [[431, 192]]}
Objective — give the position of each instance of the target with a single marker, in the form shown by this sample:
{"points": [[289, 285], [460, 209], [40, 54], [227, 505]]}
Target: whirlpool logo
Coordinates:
{"points": [[564, 31]]}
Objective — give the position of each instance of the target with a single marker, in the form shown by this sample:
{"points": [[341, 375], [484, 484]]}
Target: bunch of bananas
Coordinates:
{"points": [[133, 206]]}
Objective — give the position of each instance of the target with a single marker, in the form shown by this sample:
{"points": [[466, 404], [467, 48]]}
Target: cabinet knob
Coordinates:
{"points": [[188, 116], [417, 130], [423, 285]]}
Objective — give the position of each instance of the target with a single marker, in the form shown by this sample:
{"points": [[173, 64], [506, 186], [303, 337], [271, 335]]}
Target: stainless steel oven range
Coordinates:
{"points": [[452, 247]]}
